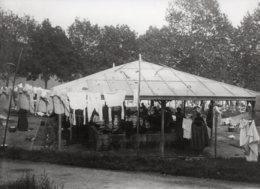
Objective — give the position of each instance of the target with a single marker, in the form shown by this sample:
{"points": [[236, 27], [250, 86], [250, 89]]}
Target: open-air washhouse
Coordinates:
{"points": [[133, 106], [109, 109]]}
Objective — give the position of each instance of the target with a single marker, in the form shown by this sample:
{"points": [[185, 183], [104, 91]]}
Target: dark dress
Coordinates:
{"points": [[199, 138], [209, 119], [22, 120], [179, 122]]}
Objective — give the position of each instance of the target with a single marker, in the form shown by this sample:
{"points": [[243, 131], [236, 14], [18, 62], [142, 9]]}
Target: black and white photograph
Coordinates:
{"points": [[129, 94]]}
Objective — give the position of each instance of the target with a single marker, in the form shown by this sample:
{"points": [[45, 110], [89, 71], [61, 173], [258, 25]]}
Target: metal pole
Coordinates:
{"points": [[59, 132], [163, 104], [10, 102], [138, 102], [215, 123]]}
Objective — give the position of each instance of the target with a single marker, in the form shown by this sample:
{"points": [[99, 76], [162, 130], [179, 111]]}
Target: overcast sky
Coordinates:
{"points": [[138, 14]]}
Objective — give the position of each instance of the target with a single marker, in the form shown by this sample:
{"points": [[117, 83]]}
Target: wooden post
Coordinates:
{"points": [[184, 107], [138, 103], [215, 124], [11, 97], [59, 132], [163, 104]]}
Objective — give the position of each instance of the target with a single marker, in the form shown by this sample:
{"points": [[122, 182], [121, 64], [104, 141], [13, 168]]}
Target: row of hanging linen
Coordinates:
{"points": [[45, 102]]}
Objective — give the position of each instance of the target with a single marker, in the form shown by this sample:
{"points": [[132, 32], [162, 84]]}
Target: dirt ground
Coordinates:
{"points": [[84, 178]]}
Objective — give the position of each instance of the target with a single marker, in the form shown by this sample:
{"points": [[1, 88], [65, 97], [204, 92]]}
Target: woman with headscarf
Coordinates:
{"points": [[199, 138]]}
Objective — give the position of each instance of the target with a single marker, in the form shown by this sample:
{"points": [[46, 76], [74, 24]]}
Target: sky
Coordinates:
{"points": [[137, 14]]}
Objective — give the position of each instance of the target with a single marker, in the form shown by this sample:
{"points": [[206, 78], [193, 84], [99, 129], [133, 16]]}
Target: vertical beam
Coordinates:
{"points": [[215, 125], [11, 97], [59, 132], [163, 104], [138, 103], [184, 107]]}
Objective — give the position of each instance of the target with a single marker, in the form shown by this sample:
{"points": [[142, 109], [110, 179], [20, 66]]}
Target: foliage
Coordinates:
{"points": [[205, 37], [52, 54], [29, 181], [247, 41], [14, 35], [98, 48]]}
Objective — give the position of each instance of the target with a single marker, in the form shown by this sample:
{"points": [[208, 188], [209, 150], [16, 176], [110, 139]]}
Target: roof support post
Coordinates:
{"points": [[163, 105], [59, 131], [215, 124]]}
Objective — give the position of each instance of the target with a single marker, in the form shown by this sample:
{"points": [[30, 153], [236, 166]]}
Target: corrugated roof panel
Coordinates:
{"points": [[184, 77], [167, 75], [156, 81], [159, 88], [217, 88], [131, 74], [180, 89], [150, 75], [199, 89], [236, 91]]}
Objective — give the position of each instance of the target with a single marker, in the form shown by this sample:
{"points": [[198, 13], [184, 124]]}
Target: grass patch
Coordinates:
{"points": [[235, 169], [29, 181]]}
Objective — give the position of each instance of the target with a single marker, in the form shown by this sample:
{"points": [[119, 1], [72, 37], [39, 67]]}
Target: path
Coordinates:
{"points": [[84, 178]]}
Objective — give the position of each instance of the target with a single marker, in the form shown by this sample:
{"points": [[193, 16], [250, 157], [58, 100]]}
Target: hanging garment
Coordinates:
{"points": [[116, 99], [95, 103], [38, 97], [4, 103], [58, 105], [66, 104], [105, 114], [42, 106], [23, 101], [78, 101], [186, 125], [22, 120], [50, 105], [31, 102], [249, 139]]}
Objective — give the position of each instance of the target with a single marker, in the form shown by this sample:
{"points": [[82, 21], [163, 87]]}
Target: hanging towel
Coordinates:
{"points": [[31, 102], [95, 103], [66, 104], [186, 125], [23, 101], [249, 139], [78, 101], [50, 105], [58, 105], [116, 99]]}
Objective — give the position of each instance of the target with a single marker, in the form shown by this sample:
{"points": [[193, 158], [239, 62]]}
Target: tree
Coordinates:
{"points": [[160, 46], [205, 37], [52, 54], [118, 45], [248, 51], [85, 39], [98, 48], [14, 35]]}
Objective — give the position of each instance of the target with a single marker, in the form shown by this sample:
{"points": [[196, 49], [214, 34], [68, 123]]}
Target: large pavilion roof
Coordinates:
{"points": [[158, 83]]}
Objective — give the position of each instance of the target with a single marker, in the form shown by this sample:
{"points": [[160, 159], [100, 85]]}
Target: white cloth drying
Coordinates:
{"points": [[249, 139], [186, 125], [95, 103], [116, 99], [78, 101]]}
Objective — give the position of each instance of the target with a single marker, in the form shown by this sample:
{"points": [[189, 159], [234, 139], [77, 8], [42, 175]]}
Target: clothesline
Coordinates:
{"points": [[45, 102]]}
